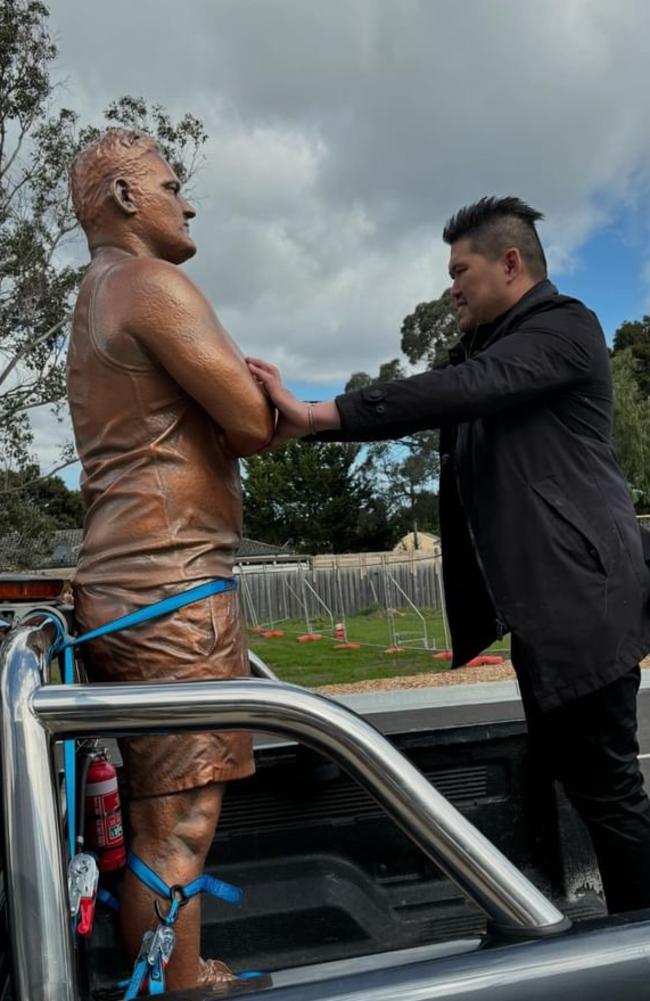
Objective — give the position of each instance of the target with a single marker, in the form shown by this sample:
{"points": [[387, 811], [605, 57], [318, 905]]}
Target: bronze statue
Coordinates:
{"points": [[162, 405]]}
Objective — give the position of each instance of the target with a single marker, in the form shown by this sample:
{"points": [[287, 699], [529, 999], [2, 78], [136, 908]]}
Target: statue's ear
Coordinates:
{"points": [[122, 195]]}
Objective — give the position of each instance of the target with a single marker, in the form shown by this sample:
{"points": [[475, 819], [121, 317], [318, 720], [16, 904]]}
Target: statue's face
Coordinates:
{"points": [[162, 213]]}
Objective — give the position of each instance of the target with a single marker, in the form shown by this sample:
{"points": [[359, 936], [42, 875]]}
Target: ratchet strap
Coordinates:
{"points": [[157, 946]]}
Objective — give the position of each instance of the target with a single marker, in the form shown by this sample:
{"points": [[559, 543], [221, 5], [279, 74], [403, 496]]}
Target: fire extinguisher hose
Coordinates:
{"points": [[81, 815]]}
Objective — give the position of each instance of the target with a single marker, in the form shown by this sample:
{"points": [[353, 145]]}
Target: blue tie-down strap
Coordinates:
{"points": [[153, 957], [108, 899], [155, 611], [178, 895], [157, 947]]}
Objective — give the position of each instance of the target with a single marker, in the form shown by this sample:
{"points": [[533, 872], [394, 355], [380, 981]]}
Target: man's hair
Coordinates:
{"points": [[494, 225], [117, 152]]}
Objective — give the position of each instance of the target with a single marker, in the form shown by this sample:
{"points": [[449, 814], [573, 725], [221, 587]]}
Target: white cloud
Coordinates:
{"points": [[51, 434], [343, 135]]}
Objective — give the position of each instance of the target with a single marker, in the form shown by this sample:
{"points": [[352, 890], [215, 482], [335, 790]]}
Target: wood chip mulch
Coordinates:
{"points": [[461, 676]]}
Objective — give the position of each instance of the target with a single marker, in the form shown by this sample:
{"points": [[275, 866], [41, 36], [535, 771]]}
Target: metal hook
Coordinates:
{"points": [[178, 899]]}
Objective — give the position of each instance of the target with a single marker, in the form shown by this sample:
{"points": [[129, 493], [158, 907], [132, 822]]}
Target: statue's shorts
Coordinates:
{"points": [[203, 641]]}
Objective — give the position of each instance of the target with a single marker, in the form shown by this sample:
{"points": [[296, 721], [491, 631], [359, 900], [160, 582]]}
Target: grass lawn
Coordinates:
{"points": [[323, 663]]}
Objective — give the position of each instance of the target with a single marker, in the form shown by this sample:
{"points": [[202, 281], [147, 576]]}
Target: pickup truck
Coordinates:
{"points": [[396, 847]]}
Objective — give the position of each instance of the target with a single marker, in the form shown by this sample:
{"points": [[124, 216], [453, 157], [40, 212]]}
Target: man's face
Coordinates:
{"points": [[163, 214], [480, 288]]}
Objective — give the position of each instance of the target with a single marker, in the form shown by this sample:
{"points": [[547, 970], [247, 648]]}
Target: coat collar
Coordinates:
{"points": [[476, 340]]}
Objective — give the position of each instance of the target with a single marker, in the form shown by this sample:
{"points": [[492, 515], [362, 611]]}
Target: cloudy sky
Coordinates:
{"points": [[344, 133]]}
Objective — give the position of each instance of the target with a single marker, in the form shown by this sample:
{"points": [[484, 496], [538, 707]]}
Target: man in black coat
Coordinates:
{"points": [[539, 537]]}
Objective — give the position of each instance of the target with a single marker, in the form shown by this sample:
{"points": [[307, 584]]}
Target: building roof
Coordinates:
{"points": [[63, 550], [413, 542], [249, 548]]}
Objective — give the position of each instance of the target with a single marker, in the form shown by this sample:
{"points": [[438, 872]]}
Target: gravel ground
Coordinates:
{"points": [[461, 676]]}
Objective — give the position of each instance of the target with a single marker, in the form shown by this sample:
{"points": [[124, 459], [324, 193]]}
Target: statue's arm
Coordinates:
{"points": [[170, 318]]}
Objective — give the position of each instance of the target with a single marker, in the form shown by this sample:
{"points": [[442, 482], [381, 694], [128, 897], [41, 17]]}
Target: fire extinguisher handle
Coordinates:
{"points": [[86, 915]]}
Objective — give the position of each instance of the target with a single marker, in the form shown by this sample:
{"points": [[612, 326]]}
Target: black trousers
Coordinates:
{"points": [[590, 746]]}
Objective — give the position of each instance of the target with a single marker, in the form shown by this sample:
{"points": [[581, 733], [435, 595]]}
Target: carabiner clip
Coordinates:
{"points": [[178, 899]]}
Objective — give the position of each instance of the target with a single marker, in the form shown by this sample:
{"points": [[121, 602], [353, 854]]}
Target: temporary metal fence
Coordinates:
{"points": [[272, 593]]}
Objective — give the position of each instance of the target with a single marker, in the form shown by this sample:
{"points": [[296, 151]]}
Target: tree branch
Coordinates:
{"points": [[46, 401], [30, 345], [27, 176], [19, 142], [37, 479]]}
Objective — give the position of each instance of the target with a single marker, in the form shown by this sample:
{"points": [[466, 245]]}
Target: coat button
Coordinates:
{"points": [[380, 408], [375, 394], [593, 552]]}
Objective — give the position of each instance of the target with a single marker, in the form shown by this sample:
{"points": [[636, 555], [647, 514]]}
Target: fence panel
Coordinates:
{"points": [[272, 593]]}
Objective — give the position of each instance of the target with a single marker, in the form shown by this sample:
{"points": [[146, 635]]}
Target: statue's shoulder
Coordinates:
{"points": [[153, 297], [152, 276]]}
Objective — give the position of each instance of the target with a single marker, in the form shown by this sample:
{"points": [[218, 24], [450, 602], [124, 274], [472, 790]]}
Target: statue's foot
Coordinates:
{"points": [[213, 971]]}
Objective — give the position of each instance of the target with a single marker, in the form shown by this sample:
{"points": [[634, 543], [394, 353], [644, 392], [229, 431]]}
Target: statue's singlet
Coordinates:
{"points": [[163, 499]]}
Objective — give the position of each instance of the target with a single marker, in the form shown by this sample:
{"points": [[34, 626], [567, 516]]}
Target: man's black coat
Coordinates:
{"points": [[538, 533]]}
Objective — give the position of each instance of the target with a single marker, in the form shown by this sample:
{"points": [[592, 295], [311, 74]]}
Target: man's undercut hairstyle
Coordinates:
{"points": [[494, 225], [118, 152]]}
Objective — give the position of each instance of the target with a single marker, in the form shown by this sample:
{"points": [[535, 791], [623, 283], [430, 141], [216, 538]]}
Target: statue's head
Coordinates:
{"points": [[124, 191]]}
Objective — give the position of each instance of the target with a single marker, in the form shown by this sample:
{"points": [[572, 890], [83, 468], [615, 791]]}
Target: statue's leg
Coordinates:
{"points": [[175, 782], [172, 834]]}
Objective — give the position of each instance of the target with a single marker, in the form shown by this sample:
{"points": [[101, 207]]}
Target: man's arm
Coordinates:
{"points": [[523, 367], [171, 320]]}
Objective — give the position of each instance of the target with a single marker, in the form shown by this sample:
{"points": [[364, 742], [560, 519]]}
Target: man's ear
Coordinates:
{"points": [[512, 264], [122, 195]]}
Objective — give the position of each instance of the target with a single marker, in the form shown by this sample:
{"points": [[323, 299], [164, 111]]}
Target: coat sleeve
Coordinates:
{"points": [[534, 362]]}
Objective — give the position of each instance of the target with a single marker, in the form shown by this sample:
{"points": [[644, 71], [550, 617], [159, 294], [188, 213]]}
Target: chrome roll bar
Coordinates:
{"points": [[259, 668], [33, 716], [36, 880]]}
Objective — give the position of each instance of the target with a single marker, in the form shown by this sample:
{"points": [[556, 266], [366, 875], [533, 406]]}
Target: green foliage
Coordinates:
{"points": [[32, 508], [406, 473], [311, 497], [180, 142], [430, 330], [631, 431], [38, 282], [63, 507], [358, 380], [387, 371], [421, 511], [634, 336]]}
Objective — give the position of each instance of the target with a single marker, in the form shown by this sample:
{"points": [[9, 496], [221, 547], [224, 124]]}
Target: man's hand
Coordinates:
{"points": [[296, 419], [293, 414]]}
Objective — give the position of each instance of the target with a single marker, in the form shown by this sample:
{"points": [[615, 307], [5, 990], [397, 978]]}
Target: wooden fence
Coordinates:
{"points": [[335, 588]]}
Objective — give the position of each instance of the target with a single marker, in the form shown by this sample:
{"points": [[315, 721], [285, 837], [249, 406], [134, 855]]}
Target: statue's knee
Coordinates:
{"points": [[195, 834], [184, 822], [197, 823]]}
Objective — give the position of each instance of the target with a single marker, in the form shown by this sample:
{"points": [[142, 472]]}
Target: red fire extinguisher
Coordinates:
{"points": [[104, 834]]}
